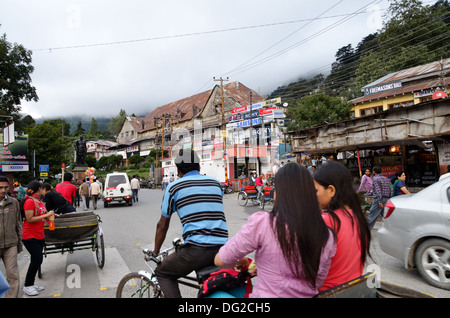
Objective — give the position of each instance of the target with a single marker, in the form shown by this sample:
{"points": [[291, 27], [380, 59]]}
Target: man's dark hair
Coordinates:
{"points": [[377, 169], [187, 160], [4, 179], [68, 176]]}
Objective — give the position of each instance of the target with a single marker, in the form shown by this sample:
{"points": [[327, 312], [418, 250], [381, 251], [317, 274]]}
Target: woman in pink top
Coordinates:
{"points": [[342, 213], [293, 246]]}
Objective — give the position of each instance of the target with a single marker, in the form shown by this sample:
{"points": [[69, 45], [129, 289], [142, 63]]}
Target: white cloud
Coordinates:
{"points": [[99, 80]]}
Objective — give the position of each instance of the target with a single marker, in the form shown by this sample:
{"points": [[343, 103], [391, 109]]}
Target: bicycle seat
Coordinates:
{"points": [[203, 273]]}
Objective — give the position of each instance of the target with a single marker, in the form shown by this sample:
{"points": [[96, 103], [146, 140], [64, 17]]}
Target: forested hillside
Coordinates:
{"points": [[412, 34]]}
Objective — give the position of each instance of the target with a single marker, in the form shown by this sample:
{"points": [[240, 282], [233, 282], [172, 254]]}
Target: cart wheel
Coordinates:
{"points": [[100, 250], [262, 201], [255, 199], [242, 198], [40, 272]]}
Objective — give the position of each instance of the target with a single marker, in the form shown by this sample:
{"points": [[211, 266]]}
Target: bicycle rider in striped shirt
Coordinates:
{"points": [[197, 199]]}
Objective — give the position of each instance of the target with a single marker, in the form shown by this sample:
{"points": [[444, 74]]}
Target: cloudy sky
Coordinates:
{"points": [[95, 57]]}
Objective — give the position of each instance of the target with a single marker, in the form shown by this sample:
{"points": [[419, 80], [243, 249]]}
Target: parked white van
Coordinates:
{"points": [[117, 188]]}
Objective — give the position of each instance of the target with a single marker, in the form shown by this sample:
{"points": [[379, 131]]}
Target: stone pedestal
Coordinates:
{"points": [[79, 172]]}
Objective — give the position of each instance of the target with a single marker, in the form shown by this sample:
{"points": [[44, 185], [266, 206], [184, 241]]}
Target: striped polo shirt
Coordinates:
{"points": [[197, 199]]}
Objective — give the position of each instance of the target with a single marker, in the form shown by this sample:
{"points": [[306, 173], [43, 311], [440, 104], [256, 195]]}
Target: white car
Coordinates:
{"points": [[117, 188], [416, 230]]}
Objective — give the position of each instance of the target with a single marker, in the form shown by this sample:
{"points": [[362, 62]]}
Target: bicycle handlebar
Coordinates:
{"points": [[149, 256]]}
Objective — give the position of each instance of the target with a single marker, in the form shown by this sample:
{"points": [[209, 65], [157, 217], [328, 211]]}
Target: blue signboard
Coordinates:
{"points": [[44, 168]]}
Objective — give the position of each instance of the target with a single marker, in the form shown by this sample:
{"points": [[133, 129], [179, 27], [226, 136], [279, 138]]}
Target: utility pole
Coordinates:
{"points": [[156, 121], [223, 132], [251, 121]]}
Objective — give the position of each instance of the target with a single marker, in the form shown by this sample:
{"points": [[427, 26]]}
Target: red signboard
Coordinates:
{"points": [[266, 111], [239, 109]]}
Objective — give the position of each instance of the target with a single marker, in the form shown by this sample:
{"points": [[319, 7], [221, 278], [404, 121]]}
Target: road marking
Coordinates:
{"points": [[53, 275], [115, 268]]}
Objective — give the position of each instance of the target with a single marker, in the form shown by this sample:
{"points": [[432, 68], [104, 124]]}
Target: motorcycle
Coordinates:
{"points": [[227, 187]]}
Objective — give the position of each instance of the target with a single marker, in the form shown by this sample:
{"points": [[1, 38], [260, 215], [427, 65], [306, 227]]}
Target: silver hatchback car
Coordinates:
{"points": [[416, 229]]}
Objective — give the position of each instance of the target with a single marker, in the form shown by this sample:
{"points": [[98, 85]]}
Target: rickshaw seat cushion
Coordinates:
{"points": [[72, 227]]}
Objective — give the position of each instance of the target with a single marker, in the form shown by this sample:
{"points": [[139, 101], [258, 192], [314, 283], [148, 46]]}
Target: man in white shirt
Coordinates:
{"points": [[135, 187], [165, 182], [94, 192]]}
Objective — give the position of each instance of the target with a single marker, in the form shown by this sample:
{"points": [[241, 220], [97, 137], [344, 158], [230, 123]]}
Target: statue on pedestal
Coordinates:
{"points": [[81, 151]]}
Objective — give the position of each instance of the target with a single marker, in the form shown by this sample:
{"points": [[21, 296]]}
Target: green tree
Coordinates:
{"points": [[136, 159], [93, 129], [412, 35], [317, 110], [22, 123], [15, 79], [116, 123], [51, 143], [80, 130], [115, 161], [102, 163], [91, 161]]}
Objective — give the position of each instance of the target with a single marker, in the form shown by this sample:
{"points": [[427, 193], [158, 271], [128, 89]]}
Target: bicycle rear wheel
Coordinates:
{"points": [[242, 198], [135, 285]]}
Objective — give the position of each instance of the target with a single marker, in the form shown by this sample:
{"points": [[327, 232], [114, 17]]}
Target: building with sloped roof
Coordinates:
{"points": [[199, 122], [205, 106], [403, 88]]}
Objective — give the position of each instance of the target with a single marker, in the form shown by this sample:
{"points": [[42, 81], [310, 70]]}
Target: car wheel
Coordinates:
{"points": [[433, 262]]}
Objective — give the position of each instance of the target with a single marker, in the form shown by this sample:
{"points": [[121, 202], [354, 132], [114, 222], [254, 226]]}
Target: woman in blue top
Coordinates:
{"points": [[399, 184]]}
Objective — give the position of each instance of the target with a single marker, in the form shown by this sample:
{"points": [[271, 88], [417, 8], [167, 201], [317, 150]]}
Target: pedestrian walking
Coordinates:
{"points": [[33, 236], [84, 194], [20, 192], [135, 187], [366, 182], [94, 193], [381, 190], [76, 202], [165, 182], [10, 237], [293, 245], [342, 213]]}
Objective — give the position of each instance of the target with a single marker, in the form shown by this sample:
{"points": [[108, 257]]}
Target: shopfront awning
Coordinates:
{"points": [[401, 126]]}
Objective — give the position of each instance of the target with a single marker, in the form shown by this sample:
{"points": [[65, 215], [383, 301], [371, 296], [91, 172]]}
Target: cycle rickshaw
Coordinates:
{"points": [[75, 231], [250, 193]]}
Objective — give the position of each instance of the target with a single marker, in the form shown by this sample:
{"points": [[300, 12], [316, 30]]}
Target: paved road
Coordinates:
{"points": [[130, 229]]}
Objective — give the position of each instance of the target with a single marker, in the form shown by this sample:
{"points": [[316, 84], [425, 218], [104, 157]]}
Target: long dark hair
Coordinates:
{"points": [[336, 174], [297, 220]]}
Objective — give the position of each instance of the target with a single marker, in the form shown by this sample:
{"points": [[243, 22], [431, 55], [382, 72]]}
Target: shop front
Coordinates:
{"points": [[414, 139]]}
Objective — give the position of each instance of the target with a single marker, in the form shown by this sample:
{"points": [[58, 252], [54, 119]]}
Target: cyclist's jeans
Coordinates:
{"points": [[180, 263]]}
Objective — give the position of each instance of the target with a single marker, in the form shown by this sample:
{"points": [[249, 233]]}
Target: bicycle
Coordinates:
{"points": [[144, 284]]}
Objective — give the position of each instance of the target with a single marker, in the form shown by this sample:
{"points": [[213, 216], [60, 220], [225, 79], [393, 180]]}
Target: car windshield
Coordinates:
{"points": [[114, 181]]}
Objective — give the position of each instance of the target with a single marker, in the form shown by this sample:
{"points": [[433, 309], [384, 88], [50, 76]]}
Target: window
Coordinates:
{"points": [[401, 104], [114, 181], [370, 111]]}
